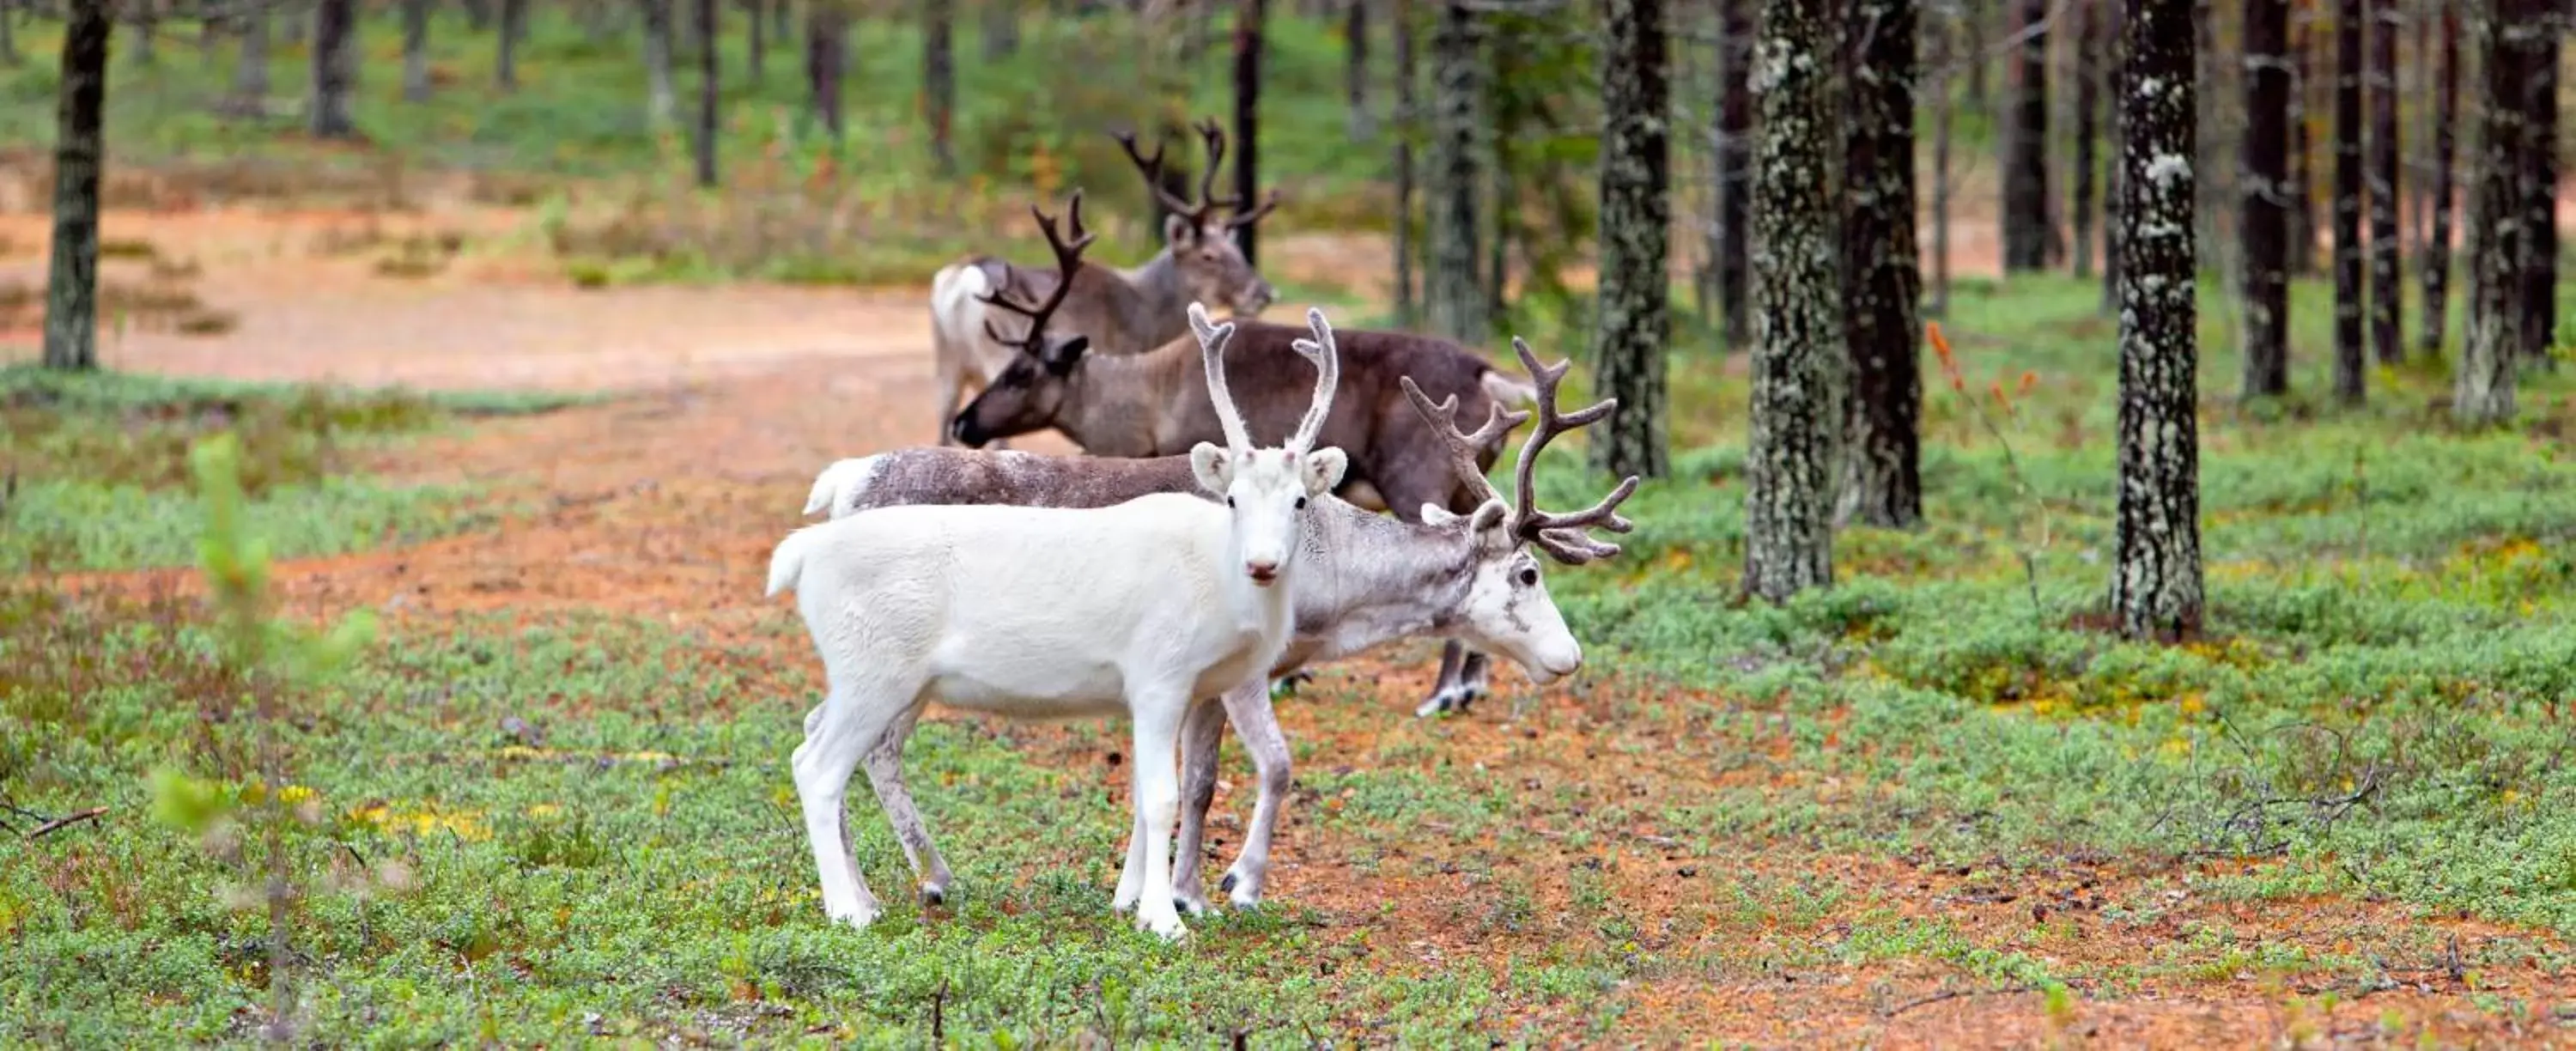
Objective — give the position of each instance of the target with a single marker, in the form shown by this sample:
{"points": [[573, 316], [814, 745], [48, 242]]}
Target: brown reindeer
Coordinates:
{"points": [[1123, 311]]}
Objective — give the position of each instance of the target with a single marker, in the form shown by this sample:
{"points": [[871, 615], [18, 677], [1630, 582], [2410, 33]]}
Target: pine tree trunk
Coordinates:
{"points": [[1633, 321], [80, 156], [250, 74], [710, 91], [1355, 69], [1882, 275], [1798, 350], [478, 15], [1504, 107], [939, 81], [1973, 48], [1001, 29], [415, 22], [2156, 581], [1734, 169], [2482, 391], [1943, 45], [662, 99], [2303, 166], [778, 24], [827, 63], [147, 24], [2263, 218], [1249, 16], [2025, 175], [2437, 243], [2350, 364], [514, 25], [2387, 259], [758, 59], [335, 69], [2540, 191], [2088, 99], [1408, 126], [2114, 173], [9, 56], [1453, 292]]}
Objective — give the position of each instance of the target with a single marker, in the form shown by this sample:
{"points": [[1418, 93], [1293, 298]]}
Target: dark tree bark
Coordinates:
{"points": [[514, 25], [1944, 50], [2264, 213], [1355, 68], [1974, 48], [2088, 102], [2437, 243], [710, 91], [1408, 125], [827, 62], [1249, 15], [1634, 320], [2303, 167], [1798, 348], [2350, 364], [778, 26], [147, 24], [2156, 581], [9, 56], [759, 56], [2387, 259], [1001, 29], [2025, 176], [335, 69], [2114, 173], [662, 99], [1506, 111], [1882, 275], [250, 73], [939, 81], [2540, 190], [2499, 214], [1734, 158], [415, 24], [478, 15], [80, 155], [1452, 287]]}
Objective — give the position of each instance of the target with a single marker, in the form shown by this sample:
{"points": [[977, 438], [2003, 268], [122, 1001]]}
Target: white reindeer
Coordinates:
{"points": [[1369, 579], [1044, 613]]}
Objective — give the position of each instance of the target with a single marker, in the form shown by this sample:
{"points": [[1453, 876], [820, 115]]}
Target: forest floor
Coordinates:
{"points": [[1648, 855]]}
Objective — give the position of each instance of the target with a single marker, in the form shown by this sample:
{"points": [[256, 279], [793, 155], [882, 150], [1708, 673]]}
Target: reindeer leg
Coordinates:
{"points": [[851, 718], [1202, 733], [1474, 676], [1258, 725], [884, 764], [1158, 802]]}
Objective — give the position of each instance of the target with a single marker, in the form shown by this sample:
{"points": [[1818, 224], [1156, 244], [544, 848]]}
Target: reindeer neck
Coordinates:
{"points": [[1388, 579], [1157, 310], [1115, 404]]}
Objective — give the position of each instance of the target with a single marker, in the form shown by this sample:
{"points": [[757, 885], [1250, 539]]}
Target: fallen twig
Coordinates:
{"points": [[66, 821], [1955, 994]]}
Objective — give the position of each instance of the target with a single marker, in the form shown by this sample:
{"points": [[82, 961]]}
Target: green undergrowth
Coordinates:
{"points": [[97, 461]]}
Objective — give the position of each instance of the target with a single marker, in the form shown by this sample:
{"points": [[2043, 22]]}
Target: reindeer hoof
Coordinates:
{"points": [[1226, 884], [933, 896]]}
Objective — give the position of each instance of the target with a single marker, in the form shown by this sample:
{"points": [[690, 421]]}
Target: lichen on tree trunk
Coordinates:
{"points": [[1882, 273], [1633, 321], [2482, 392], [1798, 350], [2156, 576], [80, 156], [2263, 216], [1452, 288]]}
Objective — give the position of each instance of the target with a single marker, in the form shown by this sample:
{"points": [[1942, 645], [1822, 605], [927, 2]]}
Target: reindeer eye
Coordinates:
{"points": [[1529, 578], [1229, 501], [1301, 503]]}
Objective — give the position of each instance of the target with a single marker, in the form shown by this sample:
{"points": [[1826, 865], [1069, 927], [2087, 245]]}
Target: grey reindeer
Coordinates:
{"points": [[1122, 311], [1156, 404], [1373, 580]]}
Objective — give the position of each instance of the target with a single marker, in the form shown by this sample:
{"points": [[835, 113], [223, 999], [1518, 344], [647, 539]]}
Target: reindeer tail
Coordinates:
{"points": [[788, 562], [842, 485]]}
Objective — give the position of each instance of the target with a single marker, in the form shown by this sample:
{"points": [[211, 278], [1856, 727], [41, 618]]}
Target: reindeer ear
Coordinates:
{"points": [[1436, 515], [1323, 469], [1213, 467], [1488, 515], [1177, 232], [1060, 357]]}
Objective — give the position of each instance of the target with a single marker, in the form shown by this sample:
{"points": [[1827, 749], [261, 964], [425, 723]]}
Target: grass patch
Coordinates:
{"points": [[98, 467]]}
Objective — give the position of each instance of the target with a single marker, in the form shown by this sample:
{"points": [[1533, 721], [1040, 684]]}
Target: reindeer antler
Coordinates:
{"points": [[1196, 212], [1562, 535], [1212, 341], [1327, 357], [1463, 448], [1068, 258]]}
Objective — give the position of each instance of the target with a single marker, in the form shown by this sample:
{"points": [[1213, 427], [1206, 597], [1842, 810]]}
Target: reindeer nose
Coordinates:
{"points": [[1264, 571]]}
